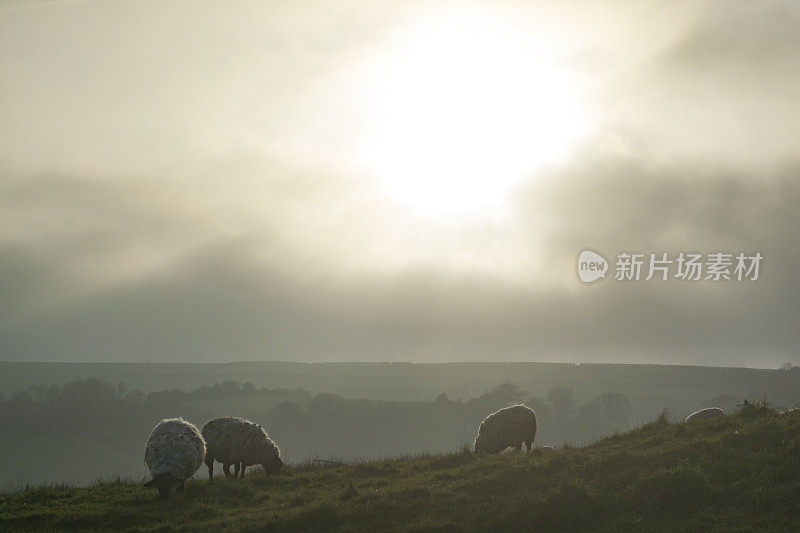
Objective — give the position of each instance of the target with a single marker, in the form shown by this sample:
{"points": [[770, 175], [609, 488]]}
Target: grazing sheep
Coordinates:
{"points": [[547, 448], [709, 412], [792, 411], [507, 427], [173, 453], [239, 442]]}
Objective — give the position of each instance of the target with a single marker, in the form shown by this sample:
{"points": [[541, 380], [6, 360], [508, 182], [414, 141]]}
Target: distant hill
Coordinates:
{"points": [[740, 472], [650, 387]]}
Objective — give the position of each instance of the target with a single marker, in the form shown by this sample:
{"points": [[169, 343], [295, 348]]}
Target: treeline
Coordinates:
{"points": [[367, 428], [86, 403], [226, 389], [322, 425]]}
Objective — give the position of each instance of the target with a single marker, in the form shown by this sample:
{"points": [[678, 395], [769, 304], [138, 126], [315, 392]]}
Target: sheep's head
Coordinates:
{"points": [[272, 465], [268, 455], [484, 444], [163, 482]]}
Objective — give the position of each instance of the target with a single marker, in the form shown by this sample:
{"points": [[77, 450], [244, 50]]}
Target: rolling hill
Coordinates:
{"points": [[737, 473]]}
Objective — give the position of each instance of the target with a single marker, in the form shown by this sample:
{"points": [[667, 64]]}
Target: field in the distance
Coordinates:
{"points": [[740, 472]]}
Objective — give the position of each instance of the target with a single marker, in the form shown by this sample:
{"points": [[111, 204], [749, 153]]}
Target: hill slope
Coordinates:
{"points": [[741, 472]]}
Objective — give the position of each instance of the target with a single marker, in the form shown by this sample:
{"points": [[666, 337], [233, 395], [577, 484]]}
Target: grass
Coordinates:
{"points": [[737, 473]]}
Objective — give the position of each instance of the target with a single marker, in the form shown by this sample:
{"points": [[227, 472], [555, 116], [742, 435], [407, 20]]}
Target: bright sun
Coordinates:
{"points": [[463, 107]]}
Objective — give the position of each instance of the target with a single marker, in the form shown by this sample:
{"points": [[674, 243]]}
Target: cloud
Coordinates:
{"points": [[226, 299], [719, 91], [183, 192]]}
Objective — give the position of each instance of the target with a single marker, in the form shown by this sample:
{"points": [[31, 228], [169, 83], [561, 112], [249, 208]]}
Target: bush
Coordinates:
{"points": [[756, 409]]}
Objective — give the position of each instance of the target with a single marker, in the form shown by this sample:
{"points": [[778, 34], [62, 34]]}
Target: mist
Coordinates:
{"points": [[182, 183]]}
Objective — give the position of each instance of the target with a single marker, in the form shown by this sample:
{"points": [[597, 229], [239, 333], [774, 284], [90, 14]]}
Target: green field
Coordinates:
{"points": [[737, 473]]}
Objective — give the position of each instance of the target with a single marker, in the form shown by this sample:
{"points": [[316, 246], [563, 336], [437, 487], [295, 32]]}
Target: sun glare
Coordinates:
{"points": [[463, 107]]}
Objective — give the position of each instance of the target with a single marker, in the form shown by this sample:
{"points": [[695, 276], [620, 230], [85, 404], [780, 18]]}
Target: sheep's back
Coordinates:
{"points": [[510, 416], [708, 412], [508, 425], [174, 446], [231, 439]]}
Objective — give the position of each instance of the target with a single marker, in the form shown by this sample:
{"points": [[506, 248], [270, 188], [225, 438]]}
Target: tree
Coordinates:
{"points": [[606, 413], [505, 394], [540, 406], [562, 402], [616, 409], [325, 402]]}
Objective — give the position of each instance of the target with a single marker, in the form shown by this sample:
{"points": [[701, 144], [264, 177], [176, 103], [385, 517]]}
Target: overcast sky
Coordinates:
{"points": [[359, 181]]}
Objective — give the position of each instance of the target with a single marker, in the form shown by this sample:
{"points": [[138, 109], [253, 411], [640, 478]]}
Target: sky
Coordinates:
{"points": [[395, 181]]}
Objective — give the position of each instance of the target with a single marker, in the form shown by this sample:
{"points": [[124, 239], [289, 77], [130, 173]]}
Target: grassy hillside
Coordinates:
{"points": [[741, 473]]}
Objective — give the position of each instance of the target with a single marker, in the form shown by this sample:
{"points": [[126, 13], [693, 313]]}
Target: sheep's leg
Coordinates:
{"points": [[180, 487], [226, 469], [210, 465], [236, 470], [242, 467], [528, 444]]}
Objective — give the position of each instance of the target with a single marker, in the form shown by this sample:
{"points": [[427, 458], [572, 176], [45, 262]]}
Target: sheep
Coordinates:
{"points": [[173, 453], [239, 442], [709, 412], [507, 427]]}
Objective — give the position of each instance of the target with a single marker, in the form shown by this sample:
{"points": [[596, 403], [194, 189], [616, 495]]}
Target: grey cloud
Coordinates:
{"points": [[720, 92], [223, 301], [151, 206], [749, 33]]}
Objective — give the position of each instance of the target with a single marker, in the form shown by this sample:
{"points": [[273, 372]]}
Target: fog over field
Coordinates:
{"points": [[465, 265], [229, 181], [57, 425]]}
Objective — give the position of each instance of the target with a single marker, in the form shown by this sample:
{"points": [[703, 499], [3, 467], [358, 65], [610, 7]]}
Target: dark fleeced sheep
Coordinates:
{"points": [[511, 426], [239, 442]]}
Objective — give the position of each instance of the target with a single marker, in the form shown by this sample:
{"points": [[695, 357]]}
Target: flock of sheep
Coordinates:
{"points": [[176, 449]]}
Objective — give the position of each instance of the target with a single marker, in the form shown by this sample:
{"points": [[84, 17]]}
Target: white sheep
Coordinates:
{"points": [[708, 412], [507, 427], [239, 442], [173, 453]]}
